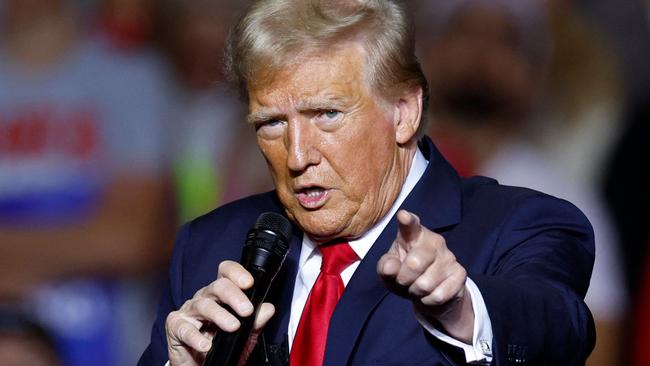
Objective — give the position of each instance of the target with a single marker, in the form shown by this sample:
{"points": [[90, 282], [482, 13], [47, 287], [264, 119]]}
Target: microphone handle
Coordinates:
{"points": [[227, 348]]}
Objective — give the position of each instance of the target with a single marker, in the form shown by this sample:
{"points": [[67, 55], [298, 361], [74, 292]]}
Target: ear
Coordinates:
{"points": [[408, 112]]}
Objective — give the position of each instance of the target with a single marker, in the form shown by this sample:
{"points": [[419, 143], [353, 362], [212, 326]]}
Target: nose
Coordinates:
{"points": [[302, 145]]}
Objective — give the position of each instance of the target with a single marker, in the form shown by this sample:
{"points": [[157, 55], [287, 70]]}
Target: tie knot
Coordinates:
{"points": [[336, 257]]}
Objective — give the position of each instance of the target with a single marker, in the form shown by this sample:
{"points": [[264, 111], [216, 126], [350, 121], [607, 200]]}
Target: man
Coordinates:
{"points": [[438, 270]]}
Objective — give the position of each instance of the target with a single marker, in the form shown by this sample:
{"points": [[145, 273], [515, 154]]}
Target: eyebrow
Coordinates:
{"points": [[327, 101], [262, 115], [321, 102]]}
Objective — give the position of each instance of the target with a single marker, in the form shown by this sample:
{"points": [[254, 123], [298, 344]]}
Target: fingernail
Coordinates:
{"points": [[390, 267], [205, 346], [242, 281], [234, 324], [386, 268], [245, 307]]}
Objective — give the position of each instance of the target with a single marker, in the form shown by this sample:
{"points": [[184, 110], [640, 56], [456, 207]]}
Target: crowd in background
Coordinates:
{"points": [[117, 125]]}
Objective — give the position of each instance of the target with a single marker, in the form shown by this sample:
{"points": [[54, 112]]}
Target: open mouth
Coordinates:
{"points": [[312, 197]]}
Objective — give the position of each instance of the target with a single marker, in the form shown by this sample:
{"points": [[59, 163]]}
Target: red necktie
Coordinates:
{"points": [[308, 347]]}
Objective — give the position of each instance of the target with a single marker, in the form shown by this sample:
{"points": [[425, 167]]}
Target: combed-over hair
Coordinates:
{"points": [[273, 33]]}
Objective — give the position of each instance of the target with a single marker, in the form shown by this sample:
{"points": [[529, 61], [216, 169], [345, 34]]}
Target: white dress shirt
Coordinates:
{"points": [[479, 351]]}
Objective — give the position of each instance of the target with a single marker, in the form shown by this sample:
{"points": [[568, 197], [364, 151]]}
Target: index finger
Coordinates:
{"points": [[409, 228], [236, 273]]}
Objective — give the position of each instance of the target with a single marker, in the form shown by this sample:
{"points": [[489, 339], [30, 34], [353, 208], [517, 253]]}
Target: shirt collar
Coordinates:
{"points": [[362, 245]]}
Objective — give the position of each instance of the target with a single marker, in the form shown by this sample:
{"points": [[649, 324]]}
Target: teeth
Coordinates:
{"points": [[313, 192]]}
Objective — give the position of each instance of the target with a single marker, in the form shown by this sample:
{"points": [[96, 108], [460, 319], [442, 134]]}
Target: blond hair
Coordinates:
{"points": [[272, 33]]}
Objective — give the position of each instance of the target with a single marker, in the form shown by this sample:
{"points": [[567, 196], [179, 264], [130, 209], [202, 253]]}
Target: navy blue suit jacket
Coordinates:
{"points": [[530, 254]]}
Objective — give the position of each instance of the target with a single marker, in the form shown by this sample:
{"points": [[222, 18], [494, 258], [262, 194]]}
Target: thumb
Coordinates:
{"points": [[265, 313], [263, 316], [389, 264], [409, 228]]}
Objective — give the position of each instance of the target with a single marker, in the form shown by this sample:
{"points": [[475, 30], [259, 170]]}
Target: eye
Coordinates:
{"points": [[328, 119], [270, 128], [330, 114], [269, 123]]}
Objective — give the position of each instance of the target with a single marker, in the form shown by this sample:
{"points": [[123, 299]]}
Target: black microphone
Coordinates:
{"points": [[266, 248]]}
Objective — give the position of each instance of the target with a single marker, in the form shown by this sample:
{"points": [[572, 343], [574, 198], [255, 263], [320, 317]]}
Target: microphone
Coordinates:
{"points": [[264, 252]]}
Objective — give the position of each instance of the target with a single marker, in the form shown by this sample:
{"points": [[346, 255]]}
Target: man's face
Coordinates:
{"points": [[330, 143], [477, 69]]}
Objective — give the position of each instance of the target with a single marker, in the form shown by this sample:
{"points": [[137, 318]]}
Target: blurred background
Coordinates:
{"points": [[116, 126]]}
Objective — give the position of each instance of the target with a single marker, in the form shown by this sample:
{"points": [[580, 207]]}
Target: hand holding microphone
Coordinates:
{"points": [[240, 288]]}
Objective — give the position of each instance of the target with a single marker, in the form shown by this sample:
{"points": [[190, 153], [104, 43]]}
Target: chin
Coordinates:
{"points": [[321, 226]]}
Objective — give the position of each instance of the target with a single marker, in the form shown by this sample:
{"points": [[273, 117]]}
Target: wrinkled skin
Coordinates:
{"points": [[324, 130]]}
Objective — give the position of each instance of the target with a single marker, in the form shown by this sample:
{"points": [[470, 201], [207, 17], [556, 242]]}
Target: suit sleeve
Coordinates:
{"points": [[535, 288], [156, 352]]}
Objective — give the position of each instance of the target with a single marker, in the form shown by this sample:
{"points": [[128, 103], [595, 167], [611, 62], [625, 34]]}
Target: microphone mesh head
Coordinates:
{"points": [[274, 222]]}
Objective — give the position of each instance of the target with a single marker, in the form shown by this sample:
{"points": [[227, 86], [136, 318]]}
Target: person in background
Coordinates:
{"points": [[129, 25], [213, 153], [626, 26], [641, 318], [25, 343], [82, 180], [504, 106], [629, 199]]}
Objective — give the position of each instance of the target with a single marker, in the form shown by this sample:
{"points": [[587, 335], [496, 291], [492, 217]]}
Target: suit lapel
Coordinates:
{"points": [[436, 200]]}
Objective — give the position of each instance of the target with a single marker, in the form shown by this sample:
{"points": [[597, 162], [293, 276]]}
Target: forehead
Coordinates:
{"points": [[333, 74]]}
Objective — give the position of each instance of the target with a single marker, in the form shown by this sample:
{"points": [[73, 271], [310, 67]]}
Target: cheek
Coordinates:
{"points": [[378, 141], [368, 157]]}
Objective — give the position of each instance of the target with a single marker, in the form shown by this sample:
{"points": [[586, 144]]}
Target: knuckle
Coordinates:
{"points": [[414, 263], [203, 305], [425, 284], [457, 272], [418, 242], [430, 244], [217, 287], [452, 257], [184, 330], [186, 305], [449, 260], [439, 241], [223, 268], [462, 272], [172, 319], [439, 296]]}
